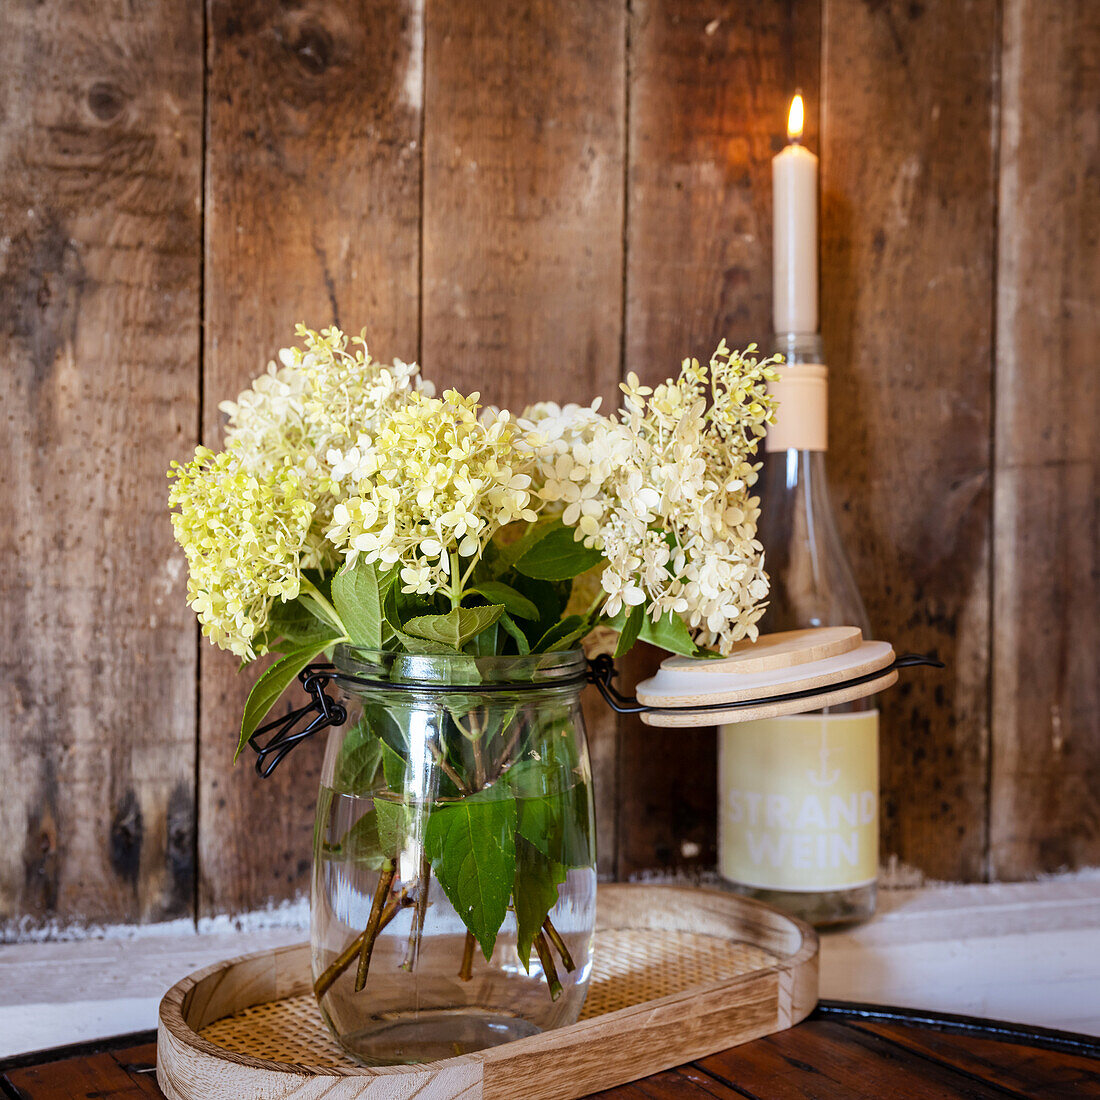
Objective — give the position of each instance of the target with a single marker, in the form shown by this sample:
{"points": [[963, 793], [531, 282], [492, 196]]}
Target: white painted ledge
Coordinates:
{"points": [[1023, 952], [1028, 953]]}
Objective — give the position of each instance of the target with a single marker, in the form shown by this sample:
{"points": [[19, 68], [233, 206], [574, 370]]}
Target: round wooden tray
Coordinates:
{"points": [[678, 973]]}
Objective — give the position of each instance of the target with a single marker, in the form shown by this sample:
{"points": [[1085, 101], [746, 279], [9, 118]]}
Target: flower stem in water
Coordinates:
{"points": [[554, 936], [467, 971], [447, 770], [412, 951], [346, 957], [548, 967], [370, 933]]}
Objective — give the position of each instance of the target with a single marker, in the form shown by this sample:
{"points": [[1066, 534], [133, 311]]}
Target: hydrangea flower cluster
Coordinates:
{"points": [[320, 405], [663, 490], [433, 488], [244, 534], [334, 460], [251, 518]]}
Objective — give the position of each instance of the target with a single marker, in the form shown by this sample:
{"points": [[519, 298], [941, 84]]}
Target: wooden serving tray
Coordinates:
{"points": [[678, 973]]}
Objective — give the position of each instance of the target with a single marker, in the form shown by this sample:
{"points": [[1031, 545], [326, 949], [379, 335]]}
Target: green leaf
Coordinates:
{"points": [[360, 755], [421, 647], [295, 622], [485, 643], [393, 768], [539, 822], [557, 556], [669, 633], [389, 609], [397, 606], [457, 627], [472, 845], [393, 826], [509, 625], [358, 601], [359, 844], [504, 557], [628, 635], [534, 894], [275, 680], [539, 774], [551, 599], [578, 835], [515, 603], [563, 634], [387, 580], [552, 810], [552, 798]]}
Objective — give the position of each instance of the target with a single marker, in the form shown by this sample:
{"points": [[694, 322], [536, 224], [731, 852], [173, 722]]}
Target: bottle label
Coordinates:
{"points": [[798, 802], [801, 421]]}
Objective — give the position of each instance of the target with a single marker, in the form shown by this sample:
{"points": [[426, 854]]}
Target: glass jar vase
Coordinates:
{"points": [[454, 880]]}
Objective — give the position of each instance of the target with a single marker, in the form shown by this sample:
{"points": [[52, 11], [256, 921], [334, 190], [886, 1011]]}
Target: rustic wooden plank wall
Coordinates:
{"points": [[533, 199], [312, 214], [522, 234], [908, 222], [100, 263], [709, 90], [1046, 588]]}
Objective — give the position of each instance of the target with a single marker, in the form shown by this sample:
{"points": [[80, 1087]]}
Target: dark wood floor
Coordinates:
{"points": [[840, 1053]]}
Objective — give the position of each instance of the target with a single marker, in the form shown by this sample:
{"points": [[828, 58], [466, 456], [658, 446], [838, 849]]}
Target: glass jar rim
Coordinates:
{"points": [[358, 667]]}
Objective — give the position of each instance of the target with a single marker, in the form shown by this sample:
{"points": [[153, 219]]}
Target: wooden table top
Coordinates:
{"points": [[841, 1052]]}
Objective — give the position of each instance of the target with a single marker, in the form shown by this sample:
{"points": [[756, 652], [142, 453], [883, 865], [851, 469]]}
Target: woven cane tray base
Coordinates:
{"points": [[677, 973], [630, 966]]}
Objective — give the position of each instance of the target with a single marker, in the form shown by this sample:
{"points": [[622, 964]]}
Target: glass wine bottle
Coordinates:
{"points": [[798, 814]]}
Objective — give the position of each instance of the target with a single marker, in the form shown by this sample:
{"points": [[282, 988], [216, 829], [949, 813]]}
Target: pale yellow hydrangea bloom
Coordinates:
{"points": [[243, 535], [322, 402], [435, 485], [289, 439], [663, 490]]}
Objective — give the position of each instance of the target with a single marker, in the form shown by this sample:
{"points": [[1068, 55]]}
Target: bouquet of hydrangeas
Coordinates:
{"points": [[353, 505]]}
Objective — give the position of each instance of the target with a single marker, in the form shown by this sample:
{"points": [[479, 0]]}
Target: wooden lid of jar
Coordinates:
{"points": [[823, 660]]}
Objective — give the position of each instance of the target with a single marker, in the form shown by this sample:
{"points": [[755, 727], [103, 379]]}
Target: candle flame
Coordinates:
{"points": [[795, 119]]}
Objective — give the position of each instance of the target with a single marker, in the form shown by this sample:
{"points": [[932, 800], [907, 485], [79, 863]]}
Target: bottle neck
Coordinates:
{"points": [[812, 581], [802, 391], [799, 347]]}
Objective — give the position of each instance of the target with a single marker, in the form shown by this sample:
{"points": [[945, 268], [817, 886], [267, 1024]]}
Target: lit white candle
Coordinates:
{"points": [[794, 234]]}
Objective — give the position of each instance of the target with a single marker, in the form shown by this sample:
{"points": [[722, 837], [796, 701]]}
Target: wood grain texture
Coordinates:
{"points": [[1036, 1073], [100, 157], [831, 1061], [787, 649], [907, 297], [95, 1075], [829, 697], [1046, 691], [596, 198], [709, 88], [312, 213], [522, 234], [686, 1083]]}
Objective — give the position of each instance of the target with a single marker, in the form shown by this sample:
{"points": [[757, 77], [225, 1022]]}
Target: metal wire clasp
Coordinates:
{"points": [[601, 671], [326, 711]]}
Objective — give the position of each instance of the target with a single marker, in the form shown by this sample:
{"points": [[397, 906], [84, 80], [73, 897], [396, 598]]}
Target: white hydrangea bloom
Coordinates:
{"points": [[663, 490], [436, 485]]}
